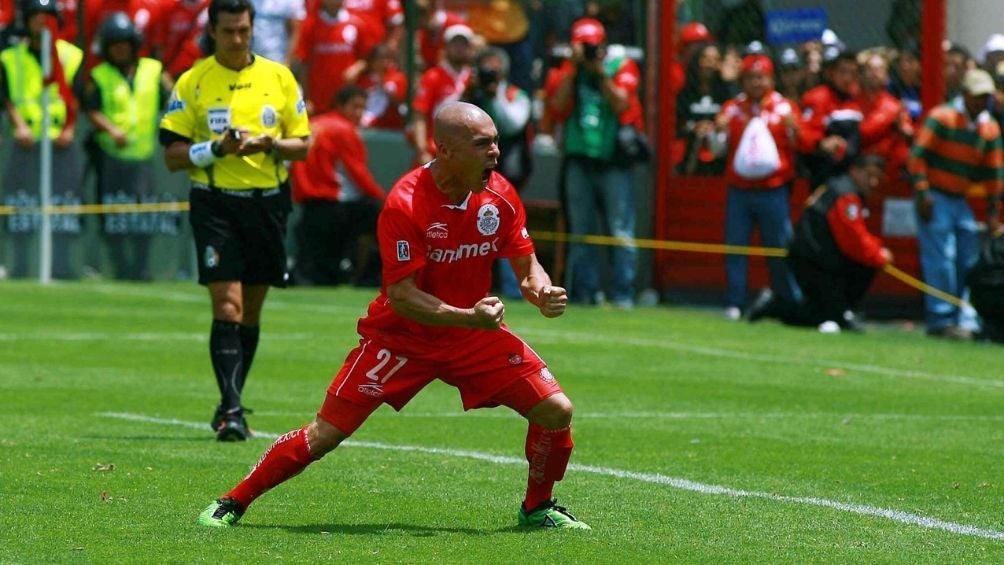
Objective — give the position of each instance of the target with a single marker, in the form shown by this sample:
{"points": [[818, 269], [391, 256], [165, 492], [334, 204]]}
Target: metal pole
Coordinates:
{"points": [[45, 167]]}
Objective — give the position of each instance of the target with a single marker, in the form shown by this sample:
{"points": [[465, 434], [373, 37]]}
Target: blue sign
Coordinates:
{"points": [[796, 25]]}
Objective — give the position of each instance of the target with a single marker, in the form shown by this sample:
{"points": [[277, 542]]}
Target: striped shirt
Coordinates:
{"points": [[951, 152]]}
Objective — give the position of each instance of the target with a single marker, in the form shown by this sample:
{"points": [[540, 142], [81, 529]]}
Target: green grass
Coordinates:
{"points": [[808, 436]]}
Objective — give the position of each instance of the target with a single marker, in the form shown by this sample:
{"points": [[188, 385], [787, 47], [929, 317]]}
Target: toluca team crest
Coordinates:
{"points": [[488, 219]]}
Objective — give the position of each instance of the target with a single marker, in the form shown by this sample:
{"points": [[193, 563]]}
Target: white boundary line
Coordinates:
{"points": [[673, 482]]}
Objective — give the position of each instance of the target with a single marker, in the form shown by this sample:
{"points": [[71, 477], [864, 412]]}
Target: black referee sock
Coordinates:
{"points": [[249, 345], [228, 359]]}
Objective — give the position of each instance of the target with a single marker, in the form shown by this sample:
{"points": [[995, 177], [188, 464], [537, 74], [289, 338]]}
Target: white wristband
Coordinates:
{"points": [[201, 154]]}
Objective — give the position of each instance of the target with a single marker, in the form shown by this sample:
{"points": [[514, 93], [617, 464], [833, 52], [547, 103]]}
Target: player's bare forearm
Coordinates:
{"points": [[536, 287], [409, 301]]}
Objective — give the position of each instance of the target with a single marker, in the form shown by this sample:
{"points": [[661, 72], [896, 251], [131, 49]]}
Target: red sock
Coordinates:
{"points": [[287, 457], [547, 451]]}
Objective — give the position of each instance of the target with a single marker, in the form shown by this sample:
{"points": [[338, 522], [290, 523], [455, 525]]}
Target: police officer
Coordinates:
{"points": [[23, 81], [122, 98], [232, 120]]}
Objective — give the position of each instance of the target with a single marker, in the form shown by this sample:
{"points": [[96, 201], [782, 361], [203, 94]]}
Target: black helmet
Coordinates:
{"points": [[118, 26]]}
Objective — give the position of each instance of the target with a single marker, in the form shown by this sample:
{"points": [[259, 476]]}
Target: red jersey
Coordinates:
{"points": [[378, 15], [884, 126], [335, 168], [772, 109], [327, 47], [430, 37], [847, 224], [438, 85], [176, 33], [450, 248], [384, 96]]}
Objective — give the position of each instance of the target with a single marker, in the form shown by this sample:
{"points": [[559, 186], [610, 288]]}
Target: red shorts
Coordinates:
{"points": [[489, 368]]}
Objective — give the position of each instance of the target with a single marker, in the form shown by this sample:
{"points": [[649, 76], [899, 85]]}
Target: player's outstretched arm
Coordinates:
{"points": [[536, 286], [413, 303]]}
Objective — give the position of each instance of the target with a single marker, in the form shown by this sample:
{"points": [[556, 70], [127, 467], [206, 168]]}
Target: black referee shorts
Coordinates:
{"points": [[240, 234]]}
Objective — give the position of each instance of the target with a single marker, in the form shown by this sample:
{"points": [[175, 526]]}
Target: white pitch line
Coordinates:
{"points": [[655, 478], [578, 338]]}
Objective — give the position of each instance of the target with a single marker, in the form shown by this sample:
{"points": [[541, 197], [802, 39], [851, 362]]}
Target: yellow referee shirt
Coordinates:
{"points": [[263, 97]]}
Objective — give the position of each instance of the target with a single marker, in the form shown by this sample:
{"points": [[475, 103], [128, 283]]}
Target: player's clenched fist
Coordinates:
{"points": [[488, 313], [552, 301]]}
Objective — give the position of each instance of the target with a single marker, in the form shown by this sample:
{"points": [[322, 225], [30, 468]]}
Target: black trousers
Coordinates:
{"points": [[827, 292]]}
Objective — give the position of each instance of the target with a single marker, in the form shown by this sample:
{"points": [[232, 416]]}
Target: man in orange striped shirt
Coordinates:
{"points": [[959, 144]]}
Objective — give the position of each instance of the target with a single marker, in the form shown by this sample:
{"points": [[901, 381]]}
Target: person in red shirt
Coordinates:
{"points": [[443, 83], [759, 181], [831, 117], [886, 127], [338, 195], [385, 19], [386, 87], [174, 36], [833, 256], [442, 227], [331, 52], [432, 24]]}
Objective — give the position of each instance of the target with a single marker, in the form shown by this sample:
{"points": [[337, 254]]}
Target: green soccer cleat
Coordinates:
{"points": [[221, 514], [550, 515]]}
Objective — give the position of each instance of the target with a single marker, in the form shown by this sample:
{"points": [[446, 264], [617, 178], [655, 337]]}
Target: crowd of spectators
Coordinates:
{"points": [[502, 54]]}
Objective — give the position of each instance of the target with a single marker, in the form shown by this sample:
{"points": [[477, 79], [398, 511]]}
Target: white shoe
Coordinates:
{"points": [[829, 327], [732, 313]]}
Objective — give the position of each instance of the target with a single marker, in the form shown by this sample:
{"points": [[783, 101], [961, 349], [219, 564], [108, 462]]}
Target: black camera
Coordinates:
{"points": [[590, 52], [487, 76]]}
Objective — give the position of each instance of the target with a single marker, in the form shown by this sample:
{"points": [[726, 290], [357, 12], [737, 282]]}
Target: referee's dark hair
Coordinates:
{"points": [[230, 7]]}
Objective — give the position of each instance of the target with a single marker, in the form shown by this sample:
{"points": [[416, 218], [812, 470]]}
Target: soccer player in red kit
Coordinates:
{"points": [[442, 227]]}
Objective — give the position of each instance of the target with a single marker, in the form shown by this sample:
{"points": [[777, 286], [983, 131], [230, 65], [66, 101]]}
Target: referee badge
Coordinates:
{"points": [[212, 257], [488, 219], [268, 116]]}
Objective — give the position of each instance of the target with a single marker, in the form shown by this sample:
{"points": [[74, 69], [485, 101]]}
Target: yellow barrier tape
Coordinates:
{"points": [[657, 244], [98, 208], [924, 287]]}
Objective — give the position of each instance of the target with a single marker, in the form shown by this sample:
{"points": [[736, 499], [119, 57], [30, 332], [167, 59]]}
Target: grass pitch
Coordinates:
{"points": [[697, 440]]}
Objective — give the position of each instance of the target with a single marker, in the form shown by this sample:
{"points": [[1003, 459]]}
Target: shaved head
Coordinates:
{"points": [[457, 120]]}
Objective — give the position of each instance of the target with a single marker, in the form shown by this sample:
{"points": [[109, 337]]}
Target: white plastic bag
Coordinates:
{"points": [[757, 156]]}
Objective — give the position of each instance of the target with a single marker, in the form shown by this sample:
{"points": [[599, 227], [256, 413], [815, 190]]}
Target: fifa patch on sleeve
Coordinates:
{"points": [[176, 104], [403, 251]]}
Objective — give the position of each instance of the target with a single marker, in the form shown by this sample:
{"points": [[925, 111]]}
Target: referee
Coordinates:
{"points": [[232, 120]]}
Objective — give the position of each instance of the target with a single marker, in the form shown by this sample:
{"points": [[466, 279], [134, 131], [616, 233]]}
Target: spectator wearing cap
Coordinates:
{"points": [[886, 127], [444, 82], [832, 116], [593, 96], [762, 129], [959, 144], [991, 53], [330, 52], [432, 23], [790, 74]]}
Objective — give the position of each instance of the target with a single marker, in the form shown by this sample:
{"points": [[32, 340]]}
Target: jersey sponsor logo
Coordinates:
{"points": [[463, 251], [218, 119], [488, 219], [240, 86], [371, 389], [211, 258], [437, 230], [546, 376], [403, 250], [175, 104], [268, 116], [852, 211]]}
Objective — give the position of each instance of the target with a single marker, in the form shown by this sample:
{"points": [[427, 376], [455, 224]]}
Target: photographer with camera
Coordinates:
{"points": [[509, 107], [595, 97]]}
